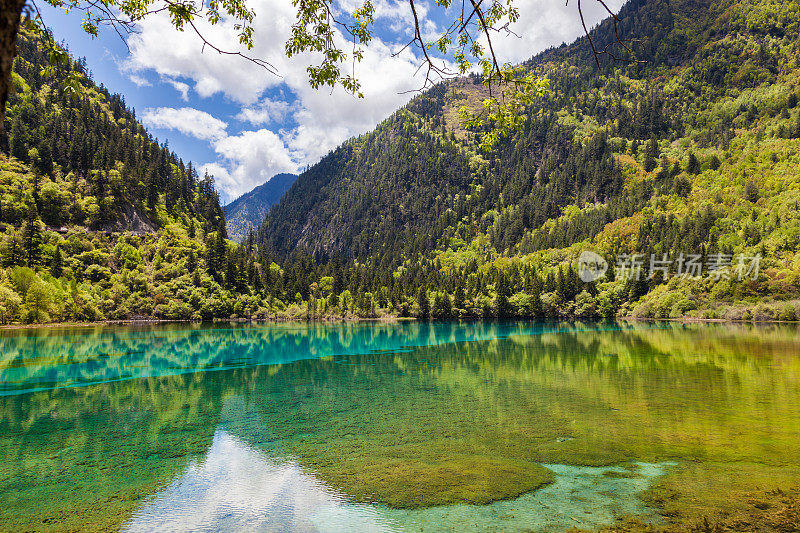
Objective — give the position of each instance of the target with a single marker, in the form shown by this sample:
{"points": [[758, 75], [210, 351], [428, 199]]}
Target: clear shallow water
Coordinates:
{"points": [[380, 427]]}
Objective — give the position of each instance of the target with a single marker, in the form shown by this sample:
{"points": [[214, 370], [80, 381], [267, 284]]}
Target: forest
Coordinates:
{"points": [[692, 149]]}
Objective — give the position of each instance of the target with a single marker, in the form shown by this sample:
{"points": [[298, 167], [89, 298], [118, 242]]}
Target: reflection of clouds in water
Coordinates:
{"points": [[237, 488]]}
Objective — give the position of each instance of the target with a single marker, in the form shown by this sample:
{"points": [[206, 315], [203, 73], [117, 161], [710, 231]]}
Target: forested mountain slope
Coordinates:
{"points": [[692, 148], [99, 220], [695, 151], [248, 211]]}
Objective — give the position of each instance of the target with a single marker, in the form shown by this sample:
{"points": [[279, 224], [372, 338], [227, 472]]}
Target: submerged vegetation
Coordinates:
{"points": [[470, 413]]}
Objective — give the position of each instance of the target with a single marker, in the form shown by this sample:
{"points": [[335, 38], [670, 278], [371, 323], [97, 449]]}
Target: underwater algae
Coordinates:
{"points": [[729, 496], [414, 484], [542, 399]]}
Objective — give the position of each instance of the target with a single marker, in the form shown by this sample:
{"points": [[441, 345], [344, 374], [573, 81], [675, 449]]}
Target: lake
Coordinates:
{"points": [[395, 427]]}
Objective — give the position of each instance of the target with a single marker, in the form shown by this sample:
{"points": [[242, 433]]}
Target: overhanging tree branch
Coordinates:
{"points": [[317, 30]]}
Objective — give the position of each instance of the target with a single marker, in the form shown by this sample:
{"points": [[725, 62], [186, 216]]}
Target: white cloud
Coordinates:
{"points": [[139, 81], [265, 112], [326, 118], [248, 160], [171, 53], [237, 487], [181, 87], [321, 119], [245, 160], [393, 11], [545, 23], [187, 120]]}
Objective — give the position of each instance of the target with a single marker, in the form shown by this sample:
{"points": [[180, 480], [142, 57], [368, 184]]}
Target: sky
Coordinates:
{"points": [[243, 124]]}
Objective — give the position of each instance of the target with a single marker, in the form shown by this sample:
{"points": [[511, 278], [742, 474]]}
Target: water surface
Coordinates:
{"points": [[392, 427]]}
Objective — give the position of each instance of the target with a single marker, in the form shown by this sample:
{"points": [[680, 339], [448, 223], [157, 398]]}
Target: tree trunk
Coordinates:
{"points": [[10, 13]]}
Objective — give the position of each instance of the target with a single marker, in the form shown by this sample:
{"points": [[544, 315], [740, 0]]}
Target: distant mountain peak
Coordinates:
{"points": [[248, 210]]}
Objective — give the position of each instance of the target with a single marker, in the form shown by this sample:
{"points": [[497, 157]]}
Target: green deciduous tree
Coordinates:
{"points": [[37, 302], [10, 303]]}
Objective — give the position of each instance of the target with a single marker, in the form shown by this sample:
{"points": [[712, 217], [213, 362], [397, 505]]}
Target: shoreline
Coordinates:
{"points": [[384, 319], [160, 321]]}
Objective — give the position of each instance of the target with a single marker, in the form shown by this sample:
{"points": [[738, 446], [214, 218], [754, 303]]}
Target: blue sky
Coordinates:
{"points": [[243, 124]]}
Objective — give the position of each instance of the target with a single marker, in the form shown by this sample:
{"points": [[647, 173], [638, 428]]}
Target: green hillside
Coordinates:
{"points": [[100, 220], [693, 149], [248, 211]]}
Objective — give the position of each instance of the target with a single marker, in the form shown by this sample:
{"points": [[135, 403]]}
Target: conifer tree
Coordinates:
{"points": [[45, 162], [693, 165], [442, 305], [211, 257], [230, 271], [191, 264], [13, 253], [16, 140], [219, 254], [57, 263], [424, 304], [536, 302], [502, 306], [651, 155], [32, 236], [459, 298]]}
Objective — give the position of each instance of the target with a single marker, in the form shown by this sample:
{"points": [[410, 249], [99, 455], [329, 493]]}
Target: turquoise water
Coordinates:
{"points": [[391, 427]]}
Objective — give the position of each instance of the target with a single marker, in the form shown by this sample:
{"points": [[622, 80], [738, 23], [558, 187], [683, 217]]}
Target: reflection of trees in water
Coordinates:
{"points": [[53, 357], [87, 455]]}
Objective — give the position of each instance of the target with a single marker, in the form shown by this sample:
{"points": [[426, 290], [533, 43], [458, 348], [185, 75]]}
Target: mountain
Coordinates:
{"points": [[99, 220], [689, 149], [692, 149], [403, 188], [248, 211]]}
